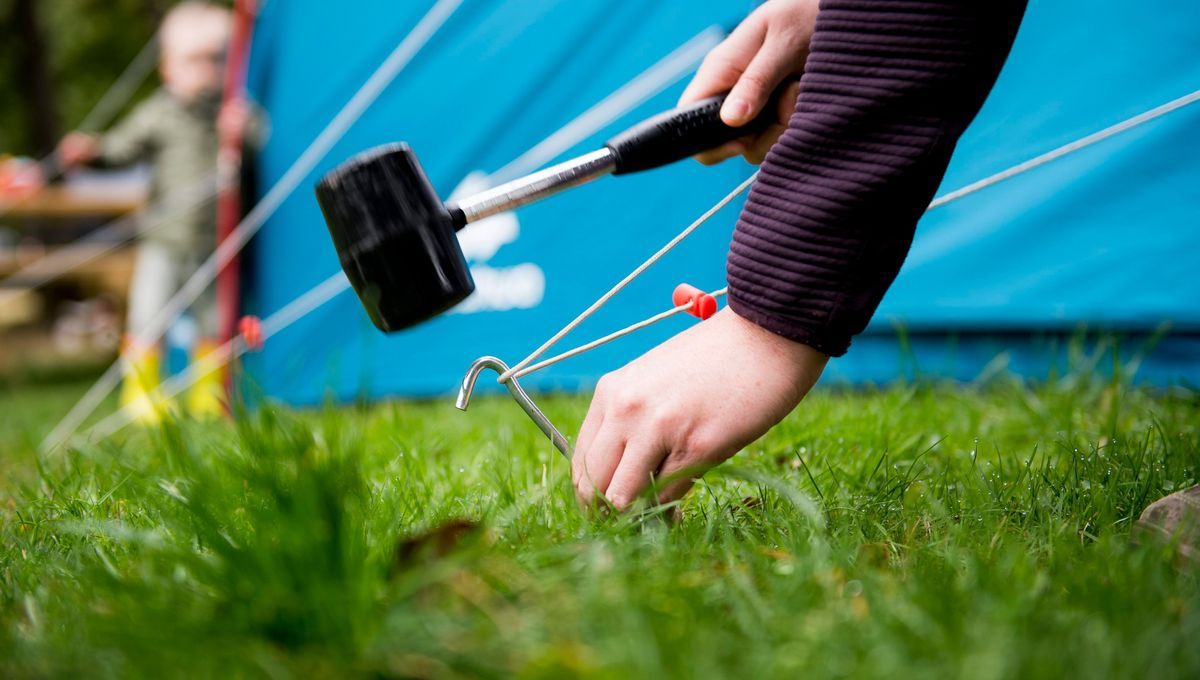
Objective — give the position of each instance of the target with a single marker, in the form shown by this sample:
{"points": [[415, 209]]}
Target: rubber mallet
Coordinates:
{"points": [[396, 239]]}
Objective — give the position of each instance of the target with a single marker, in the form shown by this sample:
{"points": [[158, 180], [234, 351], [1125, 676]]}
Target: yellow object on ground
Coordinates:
{"points": [[205, 398], [140, 380]]}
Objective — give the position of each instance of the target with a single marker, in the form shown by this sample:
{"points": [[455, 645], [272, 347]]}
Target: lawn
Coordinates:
{"points": [[918, 530]]}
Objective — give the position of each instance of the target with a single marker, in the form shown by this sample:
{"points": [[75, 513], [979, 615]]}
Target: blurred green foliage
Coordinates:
{"points": [[88, 43]]}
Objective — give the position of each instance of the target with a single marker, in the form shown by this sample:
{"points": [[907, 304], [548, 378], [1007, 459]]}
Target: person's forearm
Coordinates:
{"points": [[888, 88], [109, 156], [133, 138]]}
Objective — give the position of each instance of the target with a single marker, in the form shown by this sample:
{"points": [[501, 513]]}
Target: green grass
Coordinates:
{"points": [[923, 530]]}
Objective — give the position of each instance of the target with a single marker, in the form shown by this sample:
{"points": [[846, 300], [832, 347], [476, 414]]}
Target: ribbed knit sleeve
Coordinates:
{"points": [[887, 90]]}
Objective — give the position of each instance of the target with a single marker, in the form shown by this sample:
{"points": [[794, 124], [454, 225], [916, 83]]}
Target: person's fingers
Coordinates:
{"points": [[755, 149], [676, 478], [583, 443], [638, 462], [593, 419], [726, 62], [773, 62], [755, 152], [787, 103], [599, 462], [77, 148], [590, 426], [673, 491], [724, 152]]}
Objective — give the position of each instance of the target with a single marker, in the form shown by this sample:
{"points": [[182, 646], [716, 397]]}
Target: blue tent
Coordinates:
{"points": [[1105, 238]]}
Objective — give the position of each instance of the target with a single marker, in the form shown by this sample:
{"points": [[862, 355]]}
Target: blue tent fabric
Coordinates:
{"points": [[1106, 237]]}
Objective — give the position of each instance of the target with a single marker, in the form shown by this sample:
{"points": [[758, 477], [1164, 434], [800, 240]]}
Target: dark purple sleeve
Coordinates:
{"points": [[887, 90]]}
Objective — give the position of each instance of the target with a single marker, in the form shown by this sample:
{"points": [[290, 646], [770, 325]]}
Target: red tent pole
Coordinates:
{"points": [[229, 200]]}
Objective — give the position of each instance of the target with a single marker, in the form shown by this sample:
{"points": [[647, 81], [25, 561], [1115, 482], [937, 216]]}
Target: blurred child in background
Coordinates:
{"points": [[175, 131]]}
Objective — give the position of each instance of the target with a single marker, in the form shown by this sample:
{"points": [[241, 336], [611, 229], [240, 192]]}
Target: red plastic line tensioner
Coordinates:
{"points": [[251, 331], [704, 305]]}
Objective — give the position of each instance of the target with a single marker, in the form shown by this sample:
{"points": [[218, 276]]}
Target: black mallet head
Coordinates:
{"points": [[394, 237]]}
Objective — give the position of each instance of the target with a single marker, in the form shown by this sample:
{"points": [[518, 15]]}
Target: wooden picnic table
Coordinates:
{"points": [[64, 202], [53, 217]]}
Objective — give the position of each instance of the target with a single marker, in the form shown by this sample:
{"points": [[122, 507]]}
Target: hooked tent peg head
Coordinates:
{"points": [[467, 388], [394, 237]]}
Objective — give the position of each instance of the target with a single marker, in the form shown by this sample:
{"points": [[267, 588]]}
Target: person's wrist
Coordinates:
{"points": [[802, 363], [764, 337]]}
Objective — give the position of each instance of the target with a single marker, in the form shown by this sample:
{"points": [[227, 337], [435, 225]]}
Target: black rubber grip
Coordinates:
{"points": [[681, 133]]}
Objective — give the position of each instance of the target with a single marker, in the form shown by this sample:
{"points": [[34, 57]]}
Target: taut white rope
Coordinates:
{"points": [[650, 82], [1054, 154], [612, 336], [274, 198], [1157, 112], [630, 277], [123, 88]]}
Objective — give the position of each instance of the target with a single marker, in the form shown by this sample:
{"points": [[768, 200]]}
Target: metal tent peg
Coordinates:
{"points": [[518, 394]]}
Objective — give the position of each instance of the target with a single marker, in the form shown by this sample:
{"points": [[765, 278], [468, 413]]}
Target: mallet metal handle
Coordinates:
{"points": [[661, 140], [535, 187]]}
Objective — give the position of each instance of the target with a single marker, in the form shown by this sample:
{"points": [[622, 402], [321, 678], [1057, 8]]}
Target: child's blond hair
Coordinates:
{"points": [[194, 23]]}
